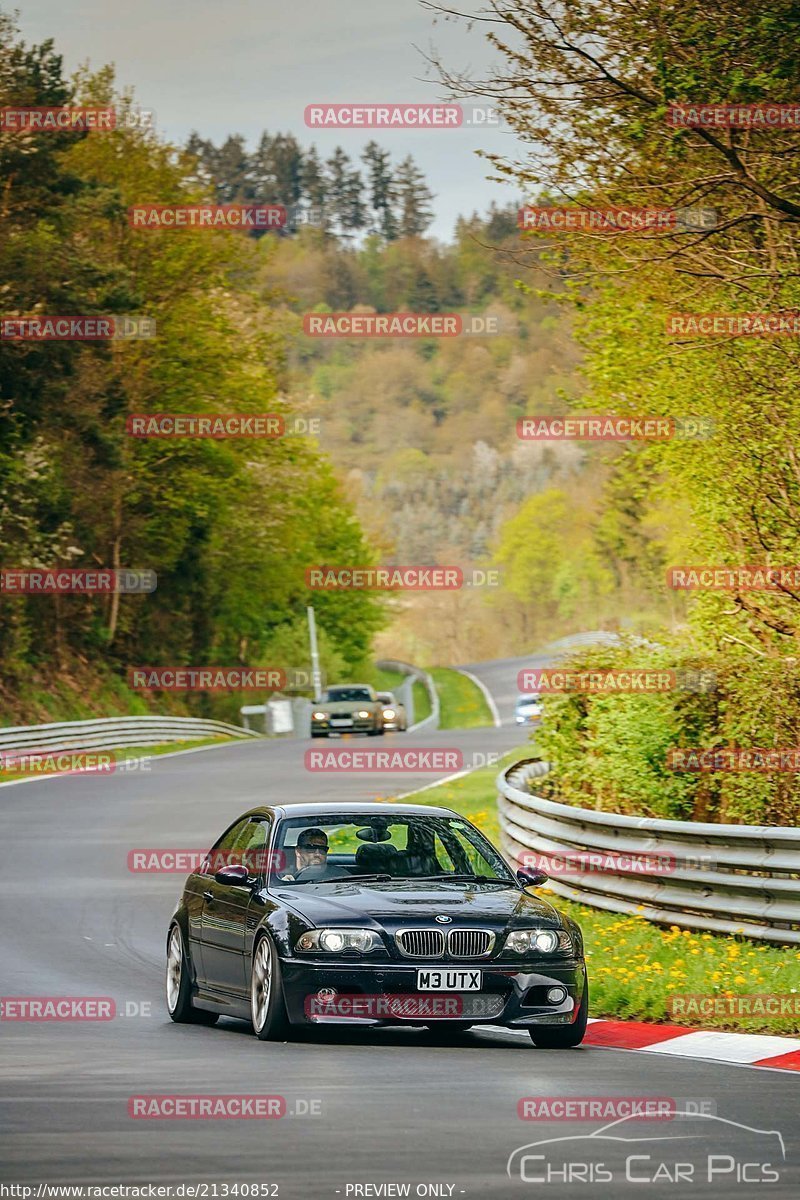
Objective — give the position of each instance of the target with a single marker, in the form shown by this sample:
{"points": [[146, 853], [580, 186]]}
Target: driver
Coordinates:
{"points": [[311, 854], [312, 849]]}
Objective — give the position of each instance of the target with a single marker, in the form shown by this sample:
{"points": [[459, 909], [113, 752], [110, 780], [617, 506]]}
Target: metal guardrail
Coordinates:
{"points": [[105, 733], [393, 664], [741, 879]]}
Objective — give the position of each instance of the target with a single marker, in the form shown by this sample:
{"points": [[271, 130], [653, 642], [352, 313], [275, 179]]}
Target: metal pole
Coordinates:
{"points": [[316, 678]]}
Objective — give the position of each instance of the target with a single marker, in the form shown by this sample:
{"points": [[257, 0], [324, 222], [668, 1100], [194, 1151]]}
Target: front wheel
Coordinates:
{"points": [[563, 1037], [267, 1006], [179, 985]]}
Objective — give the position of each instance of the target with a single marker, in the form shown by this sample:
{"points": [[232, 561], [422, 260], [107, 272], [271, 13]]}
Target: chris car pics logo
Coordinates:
{"points": [[697, 1149]]}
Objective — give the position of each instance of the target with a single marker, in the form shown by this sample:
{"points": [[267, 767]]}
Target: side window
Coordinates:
{"points": [[251, 847], [229, 839], [221, 853]]}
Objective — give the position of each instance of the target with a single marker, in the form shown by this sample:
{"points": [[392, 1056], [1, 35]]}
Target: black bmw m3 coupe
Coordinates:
{"points": [[371, 913]]}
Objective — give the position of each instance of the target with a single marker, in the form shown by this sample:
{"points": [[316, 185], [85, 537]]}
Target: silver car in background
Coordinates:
{"points": [[394, 713], [528, 709]]}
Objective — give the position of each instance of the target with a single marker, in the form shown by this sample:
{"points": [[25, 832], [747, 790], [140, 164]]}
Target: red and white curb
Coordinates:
{"points": [[744, 1049]]}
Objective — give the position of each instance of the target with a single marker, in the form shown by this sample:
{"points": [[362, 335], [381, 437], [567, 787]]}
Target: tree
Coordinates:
{"points": [[414, 199], [227, 526], [381, 189], [314, 188], [344, 192]]}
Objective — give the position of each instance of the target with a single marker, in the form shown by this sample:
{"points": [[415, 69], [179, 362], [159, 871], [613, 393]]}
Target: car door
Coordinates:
{"points": [[225, 908], [198, 888]]}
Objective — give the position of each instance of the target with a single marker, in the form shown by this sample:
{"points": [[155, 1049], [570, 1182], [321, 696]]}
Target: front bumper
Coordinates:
{"points": [[517, 991], [359, 725]]}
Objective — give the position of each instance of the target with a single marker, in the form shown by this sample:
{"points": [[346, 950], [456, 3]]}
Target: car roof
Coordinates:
{"points": [[317, 808]]}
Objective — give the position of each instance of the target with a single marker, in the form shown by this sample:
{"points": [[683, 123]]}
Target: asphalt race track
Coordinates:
{"points": [[373, 1107]]}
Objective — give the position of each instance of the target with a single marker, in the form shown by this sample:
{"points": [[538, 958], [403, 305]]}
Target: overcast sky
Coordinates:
{"points": [[242, 66]]}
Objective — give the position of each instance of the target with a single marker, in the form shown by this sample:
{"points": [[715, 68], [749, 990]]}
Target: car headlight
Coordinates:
{"points": [[388, 713], [320, 716], [363, 713], [538, 941], [338, 941]]}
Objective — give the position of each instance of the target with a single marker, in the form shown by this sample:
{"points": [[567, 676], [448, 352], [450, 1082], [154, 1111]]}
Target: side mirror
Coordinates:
{"points": [[234, 874], [531, 878]]}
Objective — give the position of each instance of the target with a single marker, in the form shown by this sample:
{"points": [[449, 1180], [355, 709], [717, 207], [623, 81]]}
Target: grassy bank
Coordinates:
{"points": [[636, 966], [422, 701], [463, 705]]}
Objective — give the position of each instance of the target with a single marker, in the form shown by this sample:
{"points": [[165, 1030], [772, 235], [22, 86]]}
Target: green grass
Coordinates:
{"points": [[422, 701], [382, 681], [463, 705], [635, 965]]}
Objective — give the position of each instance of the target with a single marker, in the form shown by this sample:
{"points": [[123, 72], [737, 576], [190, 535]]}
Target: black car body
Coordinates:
{"points": [[433, 924]]}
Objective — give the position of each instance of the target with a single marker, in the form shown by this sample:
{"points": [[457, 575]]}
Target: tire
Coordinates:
{"points": [[376, 732], [267, 1006], [318, 735], [563, 1037], [179, 985]]}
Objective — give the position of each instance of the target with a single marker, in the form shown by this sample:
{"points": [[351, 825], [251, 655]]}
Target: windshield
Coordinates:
{"points": [[397, 846], [348, 693], [524, 701]]}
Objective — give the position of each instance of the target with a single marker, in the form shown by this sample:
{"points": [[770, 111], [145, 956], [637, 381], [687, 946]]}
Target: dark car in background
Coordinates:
{"points": [[371, 913], [348, 708], [394, 713]]}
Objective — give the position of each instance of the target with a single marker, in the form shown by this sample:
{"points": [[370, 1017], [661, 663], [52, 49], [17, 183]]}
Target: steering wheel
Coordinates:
{"points": [[319, 871]]}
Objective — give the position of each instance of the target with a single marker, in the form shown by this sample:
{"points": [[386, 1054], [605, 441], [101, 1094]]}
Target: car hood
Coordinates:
{"points": [[393, 905]]}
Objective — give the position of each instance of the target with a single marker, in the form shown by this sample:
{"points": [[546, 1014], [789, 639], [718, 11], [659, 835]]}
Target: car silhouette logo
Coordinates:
{"points": [[443, 920]]}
